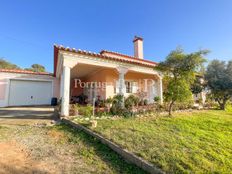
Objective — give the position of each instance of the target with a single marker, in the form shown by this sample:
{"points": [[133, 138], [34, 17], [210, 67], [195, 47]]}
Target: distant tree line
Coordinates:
{"points": [[8, 65]]}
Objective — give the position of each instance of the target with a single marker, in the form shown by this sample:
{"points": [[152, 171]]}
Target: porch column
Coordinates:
{"points": [[66, 65], [160, 89], [122, 87], [65, 91], [61, 85]]}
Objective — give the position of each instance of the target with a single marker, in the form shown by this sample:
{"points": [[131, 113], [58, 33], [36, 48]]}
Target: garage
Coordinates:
{"points": [[29, 92]]}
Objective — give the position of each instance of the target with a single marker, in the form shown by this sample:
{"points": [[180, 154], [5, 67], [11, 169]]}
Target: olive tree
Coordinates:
{"points": [[219, 81], [179, 69]]}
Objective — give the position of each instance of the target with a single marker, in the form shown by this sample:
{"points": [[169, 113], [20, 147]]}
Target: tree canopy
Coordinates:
{"points": [[199, 85], [36, 68], [219, 80], [7, 65], [179, 69], [4, 64]]}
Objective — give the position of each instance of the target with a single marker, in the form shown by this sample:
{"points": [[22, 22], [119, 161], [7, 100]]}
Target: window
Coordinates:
{"points": [[128, 87]]}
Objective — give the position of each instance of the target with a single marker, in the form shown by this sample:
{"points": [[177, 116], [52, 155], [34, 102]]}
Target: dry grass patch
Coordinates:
{"points": [[57, 149]]}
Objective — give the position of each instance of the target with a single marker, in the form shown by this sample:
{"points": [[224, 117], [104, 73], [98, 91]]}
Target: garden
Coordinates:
{"points": [[188, 142], [180, 135]]}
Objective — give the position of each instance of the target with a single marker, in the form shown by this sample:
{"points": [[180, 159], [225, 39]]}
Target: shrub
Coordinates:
{"points": [[85, 110], [156, 99], [101, 103], [109, 100], [131, 101], [183, 105], [136, 100], [117, 104], [210, 102], [117, 107], [145, 102], [108, 103], [126, 112]]}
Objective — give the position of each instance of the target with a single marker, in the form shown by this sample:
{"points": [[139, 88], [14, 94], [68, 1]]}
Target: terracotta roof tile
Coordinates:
{"points": [[119, 57], [20, 71], [127, 56]]}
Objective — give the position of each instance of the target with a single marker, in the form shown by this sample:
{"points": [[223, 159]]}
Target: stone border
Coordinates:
{"points": [[128, 156]]}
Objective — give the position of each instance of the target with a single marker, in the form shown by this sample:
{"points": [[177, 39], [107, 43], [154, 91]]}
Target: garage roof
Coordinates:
{"points": [[20, 71]]}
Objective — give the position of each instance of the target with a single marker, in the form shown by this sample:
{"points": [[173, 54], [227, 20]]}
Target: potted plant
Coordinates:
{"points": [[108, 103], [156, 99]]}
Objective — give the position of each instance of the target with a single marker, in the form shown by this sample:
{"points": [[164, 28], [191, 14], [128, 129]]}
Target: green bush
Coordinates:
{"points": [[86, 111], [145, 101], [131, 101], [101, 103], [136, 100], [109, 100], [183, 105], [126, 113], [156, 99], [117, 104]]}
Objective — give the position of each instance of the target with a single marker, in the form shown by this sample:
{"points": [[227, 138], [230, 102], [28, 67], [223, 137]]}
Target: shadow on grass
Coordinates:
{"points": [[113, 160]]}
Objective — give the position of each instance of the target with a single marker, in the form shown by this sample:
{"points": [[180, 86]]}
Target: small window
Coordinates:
{"points": [[128, 87]]}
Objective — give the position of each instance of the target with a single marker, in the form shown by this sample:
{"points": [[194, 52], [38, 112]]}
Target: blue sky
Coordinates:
{"points": [[28, 29]]}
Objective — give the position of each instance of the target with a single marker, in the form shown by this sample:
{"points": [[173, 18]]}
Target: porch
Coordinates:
{"points": [[97, 78], [89, 82]]}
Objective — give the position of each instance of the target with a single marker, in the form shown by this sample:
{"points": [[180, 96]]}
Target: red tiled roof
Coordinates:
{"points": [[122, 58], [127, 56], [20, 71]]}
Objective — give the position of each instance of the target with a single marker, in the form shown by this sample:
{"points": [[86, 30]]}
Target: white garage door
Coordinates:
{"points": [[25, 92]]}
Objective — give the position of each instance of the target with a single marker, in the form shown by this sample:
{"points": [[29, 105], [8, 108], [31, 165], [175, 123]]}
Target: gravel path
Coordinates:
{"points": [[39, 148]]}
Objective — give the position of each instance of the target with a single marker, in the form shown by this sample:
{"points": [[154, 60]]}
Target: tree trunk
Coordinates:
{"points": [[170, 108], [220, 106], [223, 104]]}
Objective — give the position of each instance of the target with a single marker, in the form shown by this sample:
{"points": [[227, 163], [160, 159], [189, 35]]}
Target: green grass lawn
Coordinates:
{"points": [[96, 155], [198, 142]]}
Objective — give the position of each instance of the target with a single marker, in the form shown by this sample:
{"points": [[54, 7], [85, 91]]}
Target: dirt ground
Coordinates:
{"points": [[14, 158], [27, 149], [36, 146]]}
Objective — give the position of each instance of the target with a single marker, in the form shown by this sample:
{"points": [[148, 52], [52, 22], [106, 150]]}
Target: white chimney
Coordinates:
{"points": [[138, 47]]}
